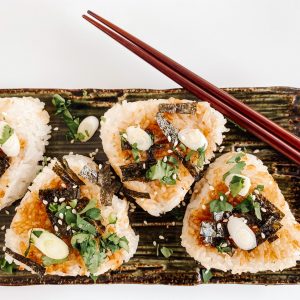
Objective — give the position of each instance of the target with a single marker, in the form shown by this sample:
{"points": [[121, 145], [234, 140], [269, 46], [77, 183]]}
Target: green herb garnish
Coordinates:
{"points": [[47, 261], [249, 205], [7, 132], [206, 275], [201, 156], [189, 155], [7, 267], [236, 158], [236, 184], [166, 252], [72, 123], [135, 152], [260, 187], [112, 218], [85, 226], [224, 249], [220, 204], [37, 233], [236, 169]]}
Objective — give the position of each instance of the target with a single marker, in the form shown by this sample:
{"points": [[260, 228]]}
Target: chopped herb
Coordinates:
{"points": [[219, 205], [135, 152], [73, 203], [201, 156], [260, 187], [113, 243], [224, 249], [94, 214], [92, 203], [102, 119], [53, 207], [7, 132], [236, 158], [189, 155], [236, 184], [94, 277], [7, 267], [72, 123], [236, 169], [85, 226], [47, 261], [257, 211], [112, 218], [206, 275], [164, 172], [166, 252], [79, 136], [249, 205], [70, 218], [182, 147], [37, 233]]}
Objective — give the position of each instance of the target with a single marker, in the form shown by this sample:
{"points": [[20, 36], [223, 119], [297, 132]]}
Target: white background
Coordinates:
{"points": [[46, 43]]}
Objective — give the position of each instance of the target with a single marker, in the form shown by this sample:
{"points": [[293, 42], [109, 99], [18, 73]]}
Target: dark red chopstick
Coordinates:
{"points": [[228, 111], [285, 135]]}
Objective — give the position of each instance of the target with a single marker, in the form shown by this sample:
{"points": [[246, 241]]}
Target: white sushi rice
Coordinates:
{"points": [[30, 122], [119, 207], [163, 197], [281, 254]]}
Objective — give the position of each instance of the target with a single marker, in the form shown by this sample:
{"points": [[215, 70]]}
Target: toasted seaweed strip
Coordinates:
{"points": [[109, 184], [89, 173], [49, 196], [179, 108], [136, 171], [135, 194], [26, 261], [167, 128], [4, 163], [71, 173]]}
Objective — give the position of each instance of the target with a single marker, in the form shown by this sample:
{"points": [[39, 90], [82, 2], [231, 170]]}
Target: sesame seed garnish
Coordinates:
{"points": [[154, 243], [55, 228], [227, 193], [170, 151], [169, 138], [71, 153], [245, 221], [219, 226], [165, 159], [68, 207], [59, 222], [55, 199], [55, 128], [174, 176], [61, 215], [144, 166], [74, 211], [253, 197], [256, 192], [256, 151], [7, 212], [74, 186], [125, 136], [145, 222], [4, 248], [263, 235], [61, 199], [173, 223], [175, 143], [72, 141], [225, 220], [45, 202], [263, 209], [100, 166], [68, 227], [211, 188], [221, 198], [203, 206], [238, 149], [3, 227], [223, 245], [161, 237]]}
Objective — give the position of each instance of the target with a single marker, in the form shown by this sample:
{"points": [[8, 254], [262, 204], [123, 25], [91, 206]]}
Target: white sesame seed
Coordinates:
{"points": [[68, 207], [61, 215], [263, 235], [63, 185], [71, 153], [227, 193], [170, 151], [154, 243], [219, 226], [161, 237], [211, 188], [144, 166], [74, 211], [124, 135], [132, 210], [72, 141], [74, 186], [256, 151], [245, 221], [165, 159], [7, 212], [175, 143], [253, 197], [55, 128], [173, 223], [238, 149], [221, 198], [48, 158], [96, 150], [263, 209], [169, 138], [61, 199], [203, 206], [55, 199], [100, 166], [223, 245], [68, 227], [59, 222], [145, 222], [3, 227], [174, 176], [45, 202], [4, 248], [256, 192], [183, 204], [55, 228]]}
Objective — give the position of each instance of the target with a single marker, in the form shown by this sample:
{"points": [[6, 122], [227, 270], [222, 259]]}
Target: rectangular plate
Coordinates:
{"points": [[281, 105]]}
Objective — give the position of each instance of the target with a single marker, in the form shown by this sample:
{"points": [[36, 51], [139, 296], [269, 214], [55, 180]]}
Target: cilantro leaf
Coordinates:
{"points": [[72, 123], [260, 187], [201, 156], [7, 132], [7, 267], [249, 205], [236, 158], [236, 169], [92, 203], [166, 252], [236, 184], [37, 233], [85, 226], [206, 275], [93, 213], [112, 218], [47, 261], [135, 152], [257, 210], [221, 204]]}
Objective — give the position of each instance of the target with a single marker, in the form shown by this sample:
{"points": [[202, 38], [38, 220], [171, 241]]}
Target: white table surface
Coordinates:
{"points": [[46, 44]]}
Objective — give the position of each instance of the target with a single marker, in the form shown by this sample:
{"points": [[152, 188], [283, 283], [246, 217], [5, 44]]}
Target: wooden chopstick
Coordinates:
{"points": [[285, 135], [224, 108]]}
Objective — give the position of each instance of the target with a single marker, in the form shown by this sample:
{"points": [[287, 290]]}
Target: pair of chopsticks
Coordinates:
{"points": [[263, 128]]}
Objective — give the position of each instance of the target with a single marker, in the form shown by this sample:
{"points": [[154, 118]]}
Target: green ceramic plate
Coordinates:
{"points": [[281, 105]]}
